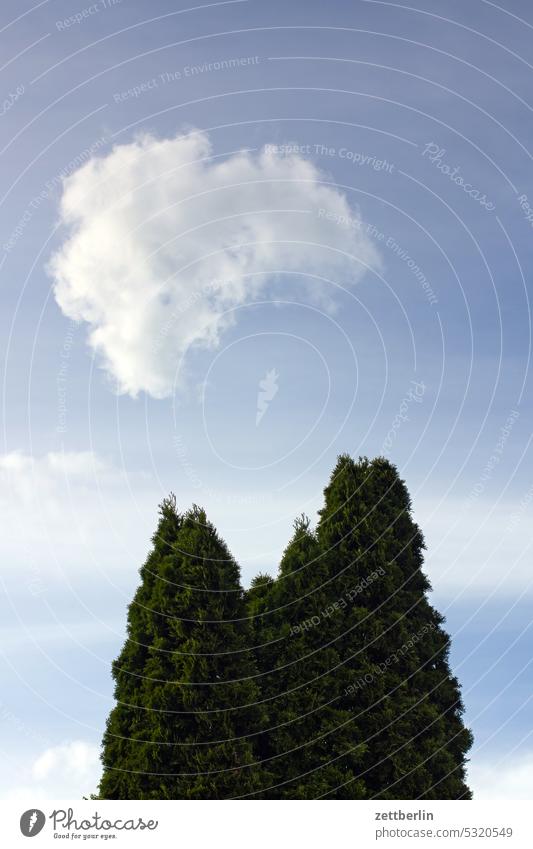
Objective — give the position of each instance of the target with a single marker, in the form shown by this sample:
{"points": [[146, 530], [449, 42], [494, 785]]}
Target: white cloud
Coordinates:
{"points": [[49, 482], [73, 761], [29, 478], [70, 509], [503, 779], [477, 548], [67, 771], [72, 770], [164, 238], [90, 518]]}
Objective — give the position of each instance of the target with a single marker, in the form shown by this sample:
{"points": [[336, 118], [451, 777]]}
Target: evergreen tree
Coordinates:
{"points": [[406, 708], [309, 748], [186, 688], [352, 663]]}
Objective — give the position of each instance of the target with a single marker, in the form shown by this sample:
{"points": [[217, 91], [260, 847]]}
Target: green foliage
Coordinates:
{"points": [[407, 709], [331, 681], [309, 746], [187, 699]]}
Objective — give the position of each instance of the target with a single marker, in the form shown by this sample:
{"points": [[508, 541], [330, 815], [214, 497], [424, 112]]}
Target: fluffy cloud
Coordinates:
{"points": [[72, 761], [68, 771], [503, 779], [165, 240]]}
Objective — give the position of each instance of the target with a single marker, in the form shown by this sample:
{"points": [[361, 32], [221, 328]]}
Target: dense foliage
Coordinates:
{"points": [[186, 687], [331, 681]]}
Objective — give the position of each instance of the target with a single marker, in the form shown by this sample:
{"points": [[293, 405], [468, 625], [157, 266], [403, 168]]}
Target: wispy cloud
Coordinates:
{"points": [[477, 548], [508, 778], [81, 508]]}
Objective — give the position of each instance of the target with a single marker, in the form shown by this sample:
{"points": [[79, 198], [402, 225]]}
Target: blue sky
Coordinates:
{"points": [[385, 282]]}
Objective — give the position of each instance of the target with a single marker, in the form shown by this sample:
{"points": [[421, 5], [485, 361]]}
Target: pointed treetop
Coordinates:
{"points": [[197, 514], [301, 523], [168, 505], [263, 579]]}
